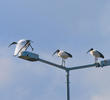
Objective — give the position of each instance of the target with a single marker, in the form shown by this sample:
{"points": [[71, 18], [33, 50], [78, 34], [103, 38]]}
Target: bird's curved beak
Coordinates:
{"points": [[88, 51], [12, 43], [54, 53]]}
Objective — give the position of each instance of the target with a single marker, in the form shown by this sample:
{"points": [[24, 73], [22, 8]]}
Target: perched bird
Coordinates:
{"points": [[21, 45], [96, 54], [64, 55]]}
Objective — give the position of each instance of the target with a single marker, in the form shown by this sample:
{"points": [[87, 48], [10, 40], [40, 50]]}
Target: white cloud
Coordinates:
{"points": [[5, 67], [22, 93], [102, 96]]}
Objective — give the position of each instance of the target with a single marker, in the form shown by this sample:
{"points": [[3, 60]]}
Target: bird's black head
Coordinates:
{"points": [[29, 43], [56, 51], [90, 50]]}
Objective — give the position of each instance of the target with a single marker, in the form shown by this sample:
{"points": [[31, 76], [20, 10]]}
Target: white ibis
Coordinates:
{"points": [[21, 45], [96, 54], [64, 55]]}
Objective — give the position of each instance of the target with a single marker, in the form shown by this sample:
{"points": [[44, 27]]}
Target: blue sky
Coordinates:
{"points": [[74, 26]]}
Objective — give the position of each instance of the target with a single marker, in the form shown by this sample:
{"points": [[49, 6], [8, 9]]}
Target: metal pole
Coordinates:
{"points": [[53, 64], [35, 57], [67, 71], [68, 87]]}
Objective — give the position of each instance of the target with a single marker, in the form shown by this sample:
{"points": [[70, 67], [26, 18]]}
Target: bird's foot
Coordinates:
{"points": [[97, 65], [62, 65]]}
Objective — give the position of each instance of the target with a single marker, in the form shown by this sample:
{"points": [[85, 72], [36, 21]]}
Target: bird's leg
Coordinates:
{"points": [[64, 63], [96, 60]]}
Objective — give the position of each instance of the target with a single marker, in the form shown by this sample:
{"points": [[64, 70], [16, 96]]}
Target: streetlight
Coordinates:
{"points": [[35, 57]]}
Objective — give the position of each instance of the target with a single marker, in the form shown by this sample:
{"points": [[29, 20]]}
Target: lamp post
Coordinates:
{"points": [[68, 86], [67, 70], [35, 57], [20, 52]]}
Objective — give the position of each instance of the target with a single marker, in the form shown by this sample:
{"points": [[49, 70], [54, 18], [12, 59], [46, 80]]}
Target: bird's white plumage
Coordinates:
{"points": [[20, 47], [95, 53], [63, 55], [20, 50]]}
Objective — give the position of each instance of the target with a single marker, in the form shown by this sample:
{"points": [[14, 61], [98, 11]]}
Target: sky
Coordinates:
{"points": [[71, 25]]}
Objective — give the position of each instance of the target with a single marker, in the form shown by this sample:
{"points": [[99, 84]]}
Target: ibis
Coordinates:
{"points": [[96, 54], [21, 45], [63, 54]]}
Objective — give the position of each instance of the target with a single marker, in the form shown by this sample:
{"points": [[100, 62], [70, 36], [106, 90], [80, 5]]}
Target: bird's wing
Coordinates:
{"points": [[25, 46], [101, 55], [12, 43], [68, 54]]}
